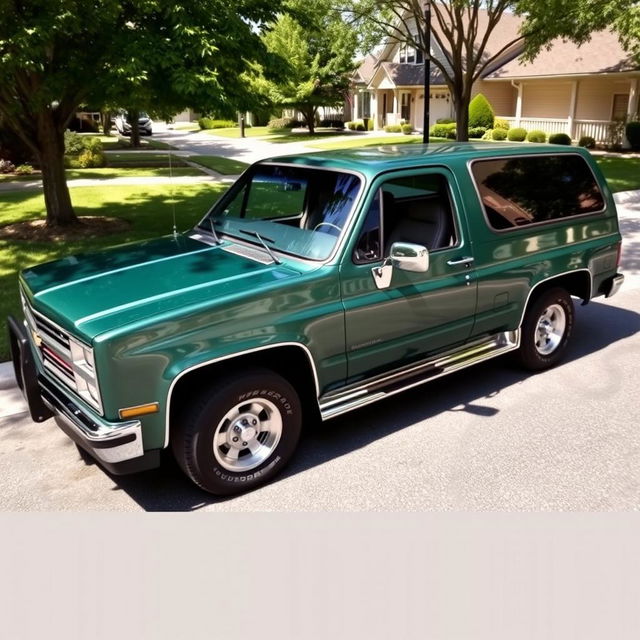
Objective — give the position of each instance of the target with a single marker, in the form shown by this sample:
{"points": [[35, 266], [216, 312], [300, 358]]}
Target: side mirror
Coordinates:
{"points": [[405, 256], [409, 257]]}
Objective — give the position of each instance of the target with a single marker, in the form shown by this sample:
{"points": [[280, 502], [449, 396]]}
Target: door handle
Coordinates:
{"points": [[453, 263]]}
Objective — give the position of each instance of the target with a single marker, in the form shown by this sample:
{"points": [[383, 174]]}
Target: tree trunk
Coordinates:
{"points": [[461, 104], [310, 118], [132, 118], [106, 122], [51, 159]]}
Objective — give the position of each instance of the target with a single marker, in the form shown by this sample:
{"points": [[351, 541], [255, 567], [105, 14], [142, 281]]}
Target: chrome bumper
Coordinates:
{"points": [[108, 442]]}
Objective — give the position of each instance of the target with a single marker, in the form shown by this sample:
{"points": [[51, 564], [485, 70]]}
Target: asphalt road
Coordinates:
{"points": [[487, 438]]}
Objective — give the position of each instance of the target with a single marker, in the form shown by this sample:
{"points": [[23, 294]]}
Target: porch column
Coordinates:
{"points": [[572, 108], [519, 87], [632, 109], [356, 104], [395, 106], [374, 108]]}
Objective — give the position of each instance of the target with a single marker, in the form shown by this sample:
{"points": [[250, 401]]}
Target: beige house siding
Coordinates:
{"points": [[501, 95], [595, 97], [546, 99]]}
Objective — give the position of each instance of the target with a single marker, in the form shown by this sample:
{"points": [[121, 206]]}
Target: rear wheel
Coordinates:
{"points": [[239, 435], [547, 327]]}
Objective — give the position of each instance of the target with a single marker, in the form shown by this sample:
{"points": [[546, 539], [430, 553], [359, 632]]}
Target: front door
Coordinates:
{"points": [[419, 313]]}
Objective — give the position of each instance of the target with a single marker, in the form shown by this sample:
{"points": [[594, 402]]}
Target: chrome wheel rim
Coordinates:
{"points": [[550, 329], [247, 435]]}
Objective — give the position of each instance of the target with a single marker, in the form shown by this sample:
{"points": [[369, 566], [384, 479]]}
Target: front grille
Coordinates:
{"points": [[62, 356]]}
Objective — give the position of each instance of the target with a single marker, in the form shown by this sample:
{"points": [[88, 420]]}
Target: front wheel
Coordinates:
{"points": [[239, 435], [547, 327]]}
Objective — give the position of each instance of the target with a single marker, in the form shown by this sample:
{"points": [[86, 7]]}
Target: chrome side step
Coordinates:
{"points": [[384, 386]]}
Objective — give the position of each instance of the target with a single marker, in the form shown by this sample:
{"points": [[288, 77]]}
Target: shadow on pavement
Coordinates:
{"points": [[598, 325]]}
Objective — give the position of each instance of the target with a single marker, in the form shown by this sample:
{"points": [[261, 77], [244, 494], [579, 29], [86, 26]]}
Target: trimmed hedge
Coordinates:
{"points": [[477, 132], [480, 113], [632, 131], [393, 128], [559, 138], [406, 129], [284, 123], [499, 134], [516, 135], [537, 136], [587, 142], [209, 123], [499, 123]]}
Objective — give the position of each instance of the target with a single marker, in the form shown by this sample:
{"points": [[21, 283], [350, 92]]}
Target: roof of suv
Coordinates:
{"points": [[384, 157]]}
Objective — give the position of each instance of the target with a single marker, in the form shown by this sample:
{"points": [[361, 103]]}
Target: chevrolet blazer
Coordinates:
{"points": [[315, 285]]}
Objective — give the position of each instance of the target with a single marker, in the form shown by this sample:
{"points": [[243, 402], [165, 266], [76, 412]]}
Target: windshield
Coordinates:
{"points": [[296, 210]]}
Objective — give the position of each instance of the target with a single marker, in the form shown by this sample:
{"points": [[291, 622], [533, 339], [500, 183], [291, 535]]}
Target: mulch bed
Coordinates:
{"points": [[88, 227]]}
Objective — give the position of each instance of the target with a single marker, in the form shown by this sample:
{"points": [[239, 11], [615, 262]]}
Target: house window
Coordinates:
{"points": [[364, 104], [409, 55], [405, 106], [403, 53], [620, 105], [419, 56]]}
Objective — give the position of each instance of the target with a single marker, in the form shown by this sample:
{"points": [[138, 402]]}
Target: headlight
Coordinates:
{"points": [[84, 372]]}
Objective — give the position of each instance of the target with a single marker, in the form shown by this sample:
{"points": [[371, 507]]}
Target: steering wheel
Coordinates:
{"points": [[327, 224]]}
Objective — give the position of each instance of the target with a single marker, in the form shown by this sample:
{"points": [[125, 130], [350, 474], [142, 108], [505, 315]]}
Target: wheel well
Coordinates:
{"points": [[577, 284], [290, 362]]}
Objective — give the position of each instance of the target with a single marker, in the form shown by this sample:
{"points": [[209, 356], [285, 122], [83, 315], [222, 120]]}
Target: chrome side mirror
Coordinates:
{"points": [[409, 257], [404, 255]]}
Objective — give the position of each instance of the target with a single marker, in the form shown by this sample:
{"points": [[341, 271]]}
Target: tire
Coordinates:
{"points": [[546, 330], [241, 434]]}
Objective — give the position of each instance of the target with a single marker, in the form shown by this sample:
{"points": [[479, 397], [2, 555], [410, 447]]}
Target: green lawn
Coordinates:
{"points": [[142, 159], [105, 173], [277, 135], [234, 132], [225, 166], [372, 141], [622, 174], [148, 208]]}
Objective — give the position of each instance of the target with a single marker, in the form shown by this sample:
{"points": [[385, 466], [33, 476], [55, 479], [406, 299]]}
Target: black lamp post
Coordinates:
{"points": [[427, 70]]}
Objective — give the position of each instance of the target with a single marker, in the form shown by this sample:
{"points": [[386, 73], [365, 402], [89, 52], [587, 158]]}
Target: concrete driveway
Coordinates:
{"points": [[488, 438]]}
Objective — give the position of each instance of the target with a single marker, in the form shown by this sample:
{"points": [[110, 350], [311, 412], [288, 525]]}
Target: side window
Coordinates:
{"points": [[417, 209], [414, 209], [516, 192]]}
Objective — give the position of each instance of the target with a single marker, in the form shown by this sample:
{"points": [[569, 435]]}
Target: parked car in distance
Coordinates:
{"points": [[317, 284], [145, 124]]}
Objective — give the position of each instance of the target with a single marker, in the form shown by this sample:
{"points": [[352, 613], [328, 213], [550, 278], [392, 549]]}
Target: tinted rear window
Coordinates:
{"points": [[520, 191]]}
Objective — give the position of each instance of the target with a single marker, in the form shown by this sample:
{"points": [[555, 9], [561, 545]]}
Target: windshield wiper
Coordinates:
{"points": [[262, 239]]}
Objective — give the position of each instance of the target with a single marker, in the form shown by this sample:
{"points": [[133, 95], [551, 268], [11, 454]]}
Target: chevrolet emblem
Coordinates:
{"points": [[36, 339]]}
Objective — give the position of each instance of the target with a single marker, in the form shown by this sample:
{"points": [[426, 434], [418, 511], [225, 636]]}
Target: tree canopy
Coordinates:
{"points": [[318, 48], [165, 54]]}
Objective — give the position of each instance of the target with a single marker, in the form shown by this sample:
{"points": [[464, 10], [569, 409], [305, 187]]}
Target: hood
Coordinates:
{"points": [[93, 293]]}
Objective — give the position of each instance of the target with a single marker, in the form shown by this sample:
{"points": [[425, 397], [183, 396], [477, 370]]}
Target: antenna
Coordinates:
{"points": [[173, 200]]}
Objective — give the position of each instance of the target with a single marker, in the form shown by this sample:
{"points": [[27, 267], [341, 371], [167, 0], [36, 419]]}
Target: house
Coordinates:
{"points": [[579, 90]]}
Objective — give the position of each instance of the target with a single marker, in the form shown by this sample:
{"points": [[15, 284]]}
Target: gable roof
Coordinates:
{"points": [[408, 75], [603, 53]]}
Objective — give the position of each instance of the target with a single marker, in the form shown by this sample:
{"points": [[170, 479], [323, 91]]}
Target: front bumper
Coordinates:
{"points": [[116, 445]]}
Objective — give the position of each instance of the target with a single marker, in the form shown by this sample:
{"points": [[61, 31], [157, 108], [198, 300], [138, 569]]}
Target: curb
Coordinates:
{"points": [[7, 377]]}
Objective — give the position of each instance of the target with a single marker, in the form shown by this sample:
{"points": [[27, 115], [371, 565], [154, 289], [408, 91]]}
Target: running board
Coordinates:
{"points": [[335, 404]]}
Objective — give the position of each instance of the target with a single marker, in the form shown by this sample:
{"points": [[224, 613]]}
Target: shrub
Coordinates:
{"points": [[499, 123], [73, 143], [499, 134], [210, 123], [516, 135], [90, 159], [537, 136], [477, 132], [587, 142], [559, 138], [406, 129], [393, 128], [480, 112], [6, 166], [93, 144], [359, 126], [440, 130], [445, 121], [332, 124], [284, 123], [632, 131], [488, 135], [24, 170]]}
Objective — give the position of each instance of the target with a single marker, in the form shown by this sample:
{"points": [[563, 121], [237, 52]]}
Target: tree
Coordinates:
{"points": [[319, 49], [169, 53], [462, 36]]}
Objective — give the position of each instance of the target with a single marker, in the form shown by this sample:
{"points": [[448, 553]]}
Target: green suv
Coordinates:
{"points": [[315, 285]]}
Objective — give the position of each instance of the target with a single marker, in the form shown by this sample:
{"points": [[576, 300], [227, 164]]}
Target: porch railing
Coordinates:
{"points": [[597, 129]]}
